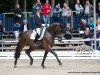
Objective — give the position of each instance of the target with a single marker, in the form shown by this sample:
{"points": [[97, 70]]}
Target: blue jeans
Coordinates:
{"points": [[56, 19], [46, 19], [64, 20], [78, 20]]}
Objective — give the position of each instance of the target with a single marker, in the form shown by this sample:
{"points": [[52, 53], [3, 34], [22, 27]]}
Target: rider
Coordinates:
{"points": [[38, 20]]}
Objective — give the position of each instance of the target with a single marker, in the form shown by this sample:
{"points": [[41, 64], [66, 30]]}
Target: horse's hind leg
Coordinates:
{"points": [[28, 51], [45, 55]]}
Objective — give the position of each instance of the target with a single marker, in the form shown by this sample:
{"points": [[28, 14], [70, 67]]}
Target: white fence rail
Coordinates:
{"points": [[61, 55]]}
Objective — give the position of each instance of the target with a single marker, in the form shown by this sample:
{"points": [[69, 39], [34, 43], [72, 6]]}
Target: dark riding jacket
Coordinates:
{"points": [[38, 20]]}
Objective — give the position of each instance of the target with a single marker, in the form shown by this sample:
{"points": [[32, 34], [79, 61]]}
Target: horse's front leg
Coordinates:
{"points": [[45, 55], [53, 52]]}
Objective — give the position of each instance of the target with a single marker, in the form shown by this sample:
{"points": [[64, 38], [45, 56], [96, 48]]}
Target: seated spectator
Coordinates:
{"points": [[98, 33], [57, 13], [98, 28], [83, 25], [25, 26], [17, 29], [1, 29], [68, 34], [91, 23], [87, 35]]}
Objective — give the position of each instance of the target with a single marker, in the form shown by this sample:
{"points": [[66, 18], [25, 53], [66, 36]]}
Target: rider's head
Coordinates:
{"points": [[17, 6], [38, 10]]}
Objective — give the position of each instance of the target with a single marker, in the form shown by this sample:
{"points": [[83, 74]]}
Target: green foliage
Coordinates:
{"points": [[6, 5]]}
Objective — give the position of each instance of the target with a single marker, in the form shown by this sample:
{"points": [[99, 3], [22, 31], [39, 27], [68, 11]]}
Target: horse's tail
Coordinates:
{"points": [[17, 52]]}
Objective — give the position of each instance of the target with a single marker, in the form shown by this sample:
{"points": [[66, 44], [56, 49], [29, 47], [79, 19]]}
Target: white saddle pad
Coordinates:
{"points": [[42, 33], [39, 31], [33, 35]]}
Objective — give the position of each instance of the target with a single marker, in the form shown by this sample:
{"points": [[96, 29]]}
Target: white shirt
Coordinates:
{"points": [[98, 27], [25, 28], [87, 9], [66, 11], [38, 15], [78, 8]]}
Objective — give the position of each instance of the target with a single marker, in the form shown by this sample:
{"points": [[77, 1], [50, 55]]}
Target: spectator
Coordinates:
{"points": [[98, 28], [98, 10], [91, 23], [83, 25], [46, 10], [1, 26], [1, 16], [88, 10], [1, 29], [17, 29], [87, 35], [18, 14], [38, 4], [57, 13], [98, 33], [66, 14], [68, 34], [25, 26], [79, 11]]}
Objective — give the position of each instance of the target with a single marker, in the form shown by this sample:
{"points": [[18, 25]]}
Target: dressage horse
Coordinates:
{"points": [[47, 43]]}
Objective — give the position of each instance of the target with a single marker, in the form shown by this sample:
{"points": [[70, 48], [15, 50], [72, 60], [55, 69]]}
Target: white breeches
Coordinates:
{"points": [[16, 34]]}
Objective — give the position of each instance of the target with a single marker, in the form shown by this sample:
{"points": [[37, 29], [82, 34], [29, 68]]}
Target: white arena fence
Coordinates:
{"points": [[61, 54]]}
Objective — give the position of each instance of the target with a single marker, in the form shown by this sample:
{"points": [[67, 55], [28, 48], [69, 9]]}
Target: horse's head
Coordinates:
{"points": [[55, 29]]}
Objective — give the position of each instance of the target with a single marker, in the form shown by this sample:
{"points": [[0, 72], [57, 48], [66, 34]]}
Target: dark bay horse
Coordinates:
{"points": [[47, 43]]}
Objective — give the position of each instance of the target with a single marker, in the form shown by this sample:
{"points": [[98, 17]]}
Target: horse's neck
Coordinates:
{"points": [[51, 32], [49, 35]]}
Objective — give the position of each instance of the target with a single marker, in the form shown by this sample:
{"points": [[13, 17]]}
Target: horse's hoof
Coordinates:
{"points": [[15, 66], [31, 63], [43, 66], [60, 64]]}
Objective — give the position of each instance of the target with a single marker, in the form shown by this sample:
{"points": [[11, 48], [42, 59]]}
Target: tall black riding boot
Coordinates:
{"points": [[36, 39]]}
